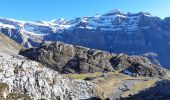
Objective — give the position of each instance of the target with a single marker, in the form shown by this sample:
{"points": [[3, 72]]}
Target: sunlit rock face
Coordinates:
{"points": [[114, 31], [30, 80], [66, 58]]}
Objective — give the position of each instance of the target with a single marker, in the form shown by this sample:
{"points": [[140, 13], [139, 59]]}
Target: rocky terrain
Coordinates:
{"points": [[22, 79], [61, 71], [67, 58], [116, 76], [119, 86], [65, 72], [131, 33]]}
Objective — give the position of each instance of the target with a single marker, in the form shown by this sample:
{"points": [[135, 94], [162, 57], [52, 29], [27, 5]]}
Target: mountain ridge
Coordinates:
{"points": [[8, 45], [65, 71], [66, 58], [134, 34]]}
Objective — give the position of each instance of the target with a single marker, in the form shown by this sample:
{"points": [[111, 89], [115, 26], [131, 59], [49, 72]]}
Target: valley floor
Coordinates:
{"points": [[116, 85]]}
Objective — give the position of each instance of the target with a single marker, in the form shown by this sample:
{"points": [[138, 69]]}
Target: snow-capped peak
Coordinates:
{"points": [[12, 20], [107, 21], [114, 20], [60, 21], [97, 15], [11, 23], [139, 14], [114, 12]]}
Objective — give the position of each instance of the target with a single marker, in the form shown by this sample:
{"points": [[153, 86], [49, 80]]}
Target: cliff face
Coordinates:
{"points": [[67, 58], [23, 79], [107, 75], [114, 31]]}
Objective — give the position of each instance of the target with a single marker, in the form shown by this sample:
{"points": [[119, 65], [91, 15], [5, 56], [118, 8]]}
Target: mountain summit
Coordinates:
{"points": [[50, 70], [131, 33]]}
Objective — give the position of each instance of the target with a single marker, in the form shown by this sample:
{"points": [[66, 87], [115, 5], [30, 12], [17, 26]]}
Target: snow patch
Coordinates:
{"points": [[127, 72], [7, 26]]}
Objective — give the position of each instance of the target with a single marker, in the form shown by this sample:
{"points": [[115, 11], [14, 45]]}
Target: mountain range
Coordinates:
{"points": [[60, 71], [132, 33], [33, 66]]}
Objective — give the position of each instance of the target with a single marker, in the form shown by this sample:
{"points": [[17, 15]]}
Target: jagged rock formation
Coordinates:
{"points": [[22, 79], [16, 30], [114, 31], [67, 58], [137, 64], [134, 34]]}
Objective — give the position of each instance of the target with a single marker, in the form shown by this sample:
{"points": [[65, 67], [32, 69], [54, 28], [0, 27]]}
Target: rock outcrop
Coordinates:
{"points": [[114, 31], [24, 79], [67, 58], [137, 64]]}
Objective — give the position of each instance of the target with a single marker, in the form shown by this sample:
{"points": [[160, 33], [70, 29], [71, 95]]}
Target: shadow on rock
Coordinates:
{"points": [[159, 92]]}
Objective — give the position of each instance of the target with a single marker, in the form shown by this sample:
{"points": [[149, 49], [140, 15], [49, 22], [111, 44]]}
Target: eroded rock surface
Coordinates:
{"points": [[27, 80], [67, 58]]}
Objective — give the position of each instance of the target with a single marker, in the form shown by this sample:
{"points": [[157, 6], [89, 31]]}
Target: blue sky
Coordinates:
{"points": [[69, 9]]}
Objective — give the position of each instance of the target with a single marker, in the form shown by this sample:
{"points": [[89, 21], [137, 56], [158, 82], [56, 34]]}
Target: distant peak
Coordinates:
{"points": [[139, 14], [114, 12], [145, 13], [59, 21], [12, 20], [97, 15]]}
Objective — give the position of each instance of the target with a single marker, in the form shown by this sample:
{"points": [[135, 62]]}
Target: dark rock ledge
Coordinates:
{"points": [[66, 58]]}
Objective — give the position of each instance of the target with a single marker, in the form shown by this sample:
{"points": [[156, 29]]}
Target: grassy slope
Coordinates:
{"points": [[110, 84], [8, 45]]}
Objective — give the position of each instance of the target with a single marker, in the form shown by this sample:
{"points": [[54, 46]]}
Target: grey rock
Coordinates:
{"points": [[67, 58], [29, 78], [133, 34], [122, 87]]}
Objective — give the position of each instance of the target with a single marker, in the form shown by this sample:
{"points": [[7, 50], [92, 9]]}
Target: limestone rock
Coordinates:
{"points": [[29, 79], [67, 58]]}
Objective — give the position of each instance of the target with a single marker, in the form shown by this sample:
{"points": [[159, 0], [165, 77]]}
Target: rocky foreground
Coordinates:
{"points": [[59, 71], [131, 33], [22, 79]]}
